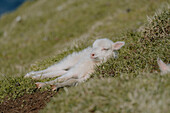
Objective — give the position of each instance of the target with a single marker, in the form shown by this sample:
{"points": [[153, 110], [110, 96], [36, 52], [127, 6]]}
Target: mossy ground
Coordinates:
{"points": [[51, 30]]}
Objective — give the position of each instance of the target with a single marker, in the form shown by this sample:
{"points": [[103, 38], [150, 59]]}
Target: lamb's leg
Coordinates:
{"points": [[50, 74], [68, 83], [64, 77], [63, 65], [49, 69], [32, 73]]}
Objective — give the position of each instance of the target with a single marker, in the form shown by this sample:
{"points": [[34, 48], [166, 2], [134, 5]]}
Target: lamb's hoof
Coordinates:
{"points": [[39, 85], [53, 87], [27, 75]]}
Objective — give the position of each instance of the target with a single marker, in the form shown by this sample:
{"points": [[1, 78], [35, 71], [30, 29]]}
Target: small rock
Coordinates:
{"points": [[18, 19]]}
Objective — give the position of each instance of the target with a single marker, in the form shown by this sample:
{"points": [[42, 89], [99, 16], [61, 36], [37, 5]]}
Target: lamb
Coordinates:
{"points": [[165, 68], [78, 66]]}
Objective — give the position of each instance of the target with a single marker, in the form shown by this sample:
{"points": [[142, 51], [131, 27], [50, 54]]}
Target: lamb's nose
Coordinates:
{"points": [[92, 54]]}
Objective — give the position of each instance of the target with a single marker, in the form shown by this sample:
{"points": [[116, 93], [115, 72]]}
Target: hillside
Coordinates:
{"points": [[48, 31]]}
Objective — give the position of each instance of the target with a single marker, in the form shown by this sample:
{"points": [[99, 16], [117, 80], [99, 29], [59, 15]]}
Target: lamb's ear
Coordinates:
{"points": [[162, 66], [118, 45]]}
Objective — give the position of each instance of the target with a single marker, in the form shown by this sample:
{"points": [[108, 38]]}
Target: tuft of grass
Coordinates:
{"points": [[158, 27], [15, 87]]}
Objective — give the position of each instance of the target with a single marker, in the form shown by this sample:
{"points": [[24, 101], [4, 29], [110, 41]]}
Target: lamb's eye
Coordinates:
{"points": [[105, 49]]}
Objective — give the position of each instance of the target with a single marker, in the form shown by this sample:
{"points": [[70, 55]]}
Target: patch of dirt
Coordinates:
{"points": [[29, 103]]}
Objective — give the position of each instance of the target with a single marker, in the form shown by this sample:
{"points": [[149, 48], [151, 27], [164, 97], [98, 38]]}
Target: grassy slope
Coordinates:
{"points": [[43, 32], [136, 87], [125, 94]]}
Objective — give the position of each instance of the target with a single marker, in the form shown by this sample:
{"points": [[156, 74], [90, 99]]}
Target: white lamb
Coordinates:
{"points": [[78, 66]]}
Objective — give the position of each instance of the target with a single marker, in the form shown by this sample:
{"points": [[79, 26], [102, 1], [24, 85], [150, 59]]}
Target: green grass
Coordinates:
{"points": [[46, 35], [124, 94]]}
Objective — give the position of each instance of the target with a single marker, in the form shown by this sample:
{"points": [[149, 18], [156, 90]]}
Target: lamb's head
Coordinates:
{"points": [[104, 48]]}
